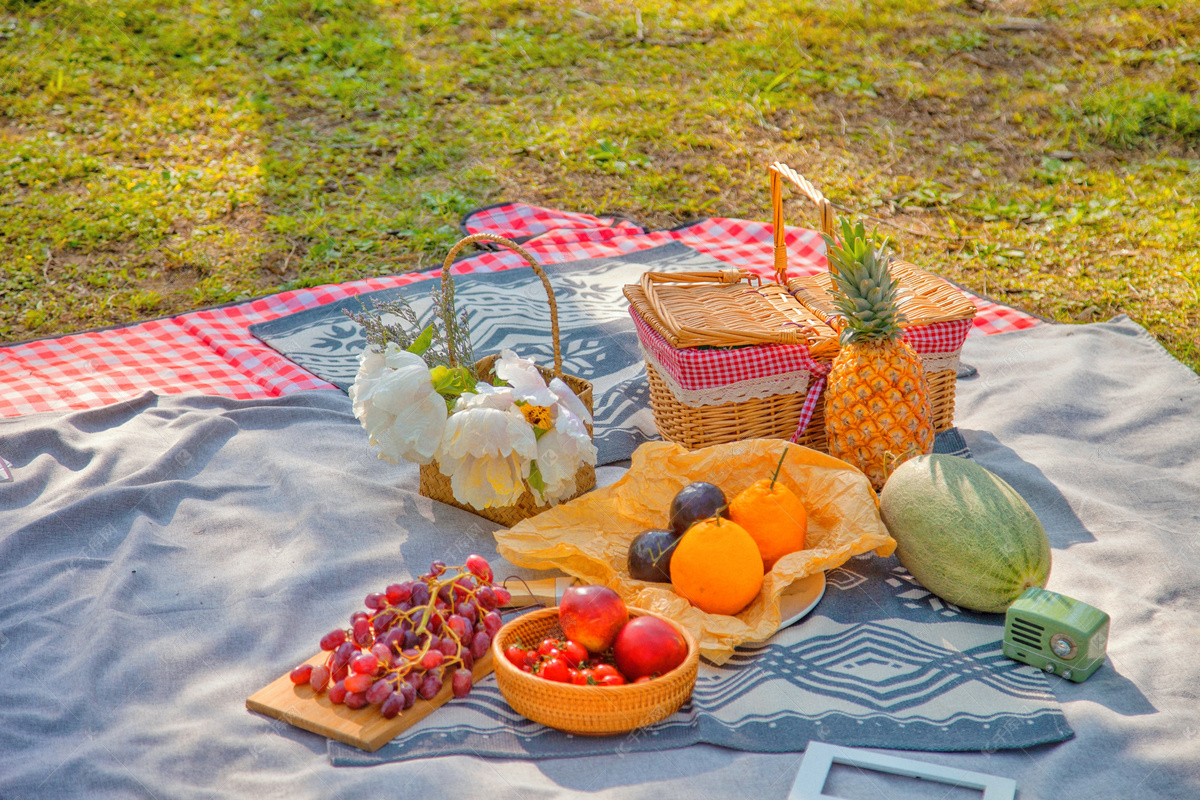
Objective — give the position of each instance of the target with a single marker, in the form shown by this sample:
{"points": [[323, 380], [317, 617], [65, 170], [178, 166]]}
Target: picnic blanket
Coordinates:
{"points": [[236, 530], [211, 351]]}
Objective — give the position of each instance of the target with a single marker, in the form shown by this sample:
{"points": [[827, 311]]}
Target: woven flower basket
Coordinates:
{"points": [[730, 358], [434, 484], [589, 710]]}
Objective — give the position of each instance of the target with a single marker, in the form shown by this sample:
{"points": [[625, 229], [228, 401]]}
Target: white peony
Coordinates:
{"points": [[561, 452], [486, 452], [394, 399], [525, 379]]}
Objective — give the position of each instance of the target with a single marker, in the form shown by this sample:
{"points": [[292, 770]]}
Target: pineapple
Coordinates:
{"points": [[877, 411]]}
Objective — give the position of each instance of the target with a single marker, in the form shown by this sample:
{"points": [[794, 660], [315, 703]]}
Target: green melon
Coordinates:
{"points": [[965, 534]]}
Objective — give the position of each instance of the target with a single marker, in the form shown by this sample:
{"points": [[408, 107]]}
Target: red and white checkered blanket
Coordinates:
{"points": [[212, 352]]}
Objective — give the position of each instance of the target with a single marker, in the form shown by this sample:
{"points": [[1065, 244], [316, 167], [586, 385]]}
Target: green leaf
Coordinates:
{"points": [[536, 481], [422, 342], [451, 382]]}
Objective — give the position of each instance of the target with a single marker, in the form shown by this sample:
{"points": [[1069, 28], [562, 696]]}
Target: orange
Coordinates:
{"points": [[774, 517], [716, 567]]}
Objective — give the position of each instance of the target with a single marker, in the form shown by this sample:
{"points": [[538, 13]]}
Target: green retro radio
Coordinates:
{"points": [[1056, 634]]}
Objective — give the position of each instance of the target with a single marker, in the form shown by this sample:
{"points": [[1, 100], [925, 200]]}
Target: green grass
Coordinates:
{"points": [[159, 157]]}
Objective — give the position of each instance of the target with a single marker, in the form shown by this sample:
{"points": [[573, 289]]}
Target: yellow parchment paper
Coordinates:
{"points": [[589, 537]]}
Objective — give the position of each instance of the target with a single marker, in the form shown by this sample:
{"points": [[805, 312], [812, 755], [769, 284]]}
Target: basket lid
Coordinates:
{"points": [[928, 298], [726, 308]]}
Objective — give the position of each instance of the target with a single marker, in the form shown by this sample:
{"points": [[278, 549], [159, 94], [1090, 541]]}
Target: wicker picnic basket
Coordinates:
{"points": [[730, 357], [436, 485], [589, 710]]}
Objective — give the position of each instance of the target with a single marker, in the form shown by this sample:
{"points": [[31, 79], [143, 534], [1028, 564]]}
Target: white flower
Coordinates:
{"points": [[569, 400], [394, 399], [561, 452], [523, 376], [486, 453]]}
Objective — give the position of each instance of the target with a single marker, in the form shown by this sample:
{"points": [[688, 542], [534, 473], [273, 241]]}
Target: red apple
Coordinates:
{"points": [[648, 646], [592, 616]]}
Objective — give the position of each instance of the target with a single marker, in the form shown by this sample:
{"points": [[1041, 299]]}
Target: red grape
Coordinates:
{"points": [[467, 610], [319, 678], [449, 647], [355, 700], [366, 664], [480, 644], [379, 692], [337, 693], [331, 640], [446, 594], [409, 693], [460, 625], [383, 653], [461, 683], [301, 674], [398, 593], [340, 673], [419, 595], [486, 598], [435, 622], [502, 595], [372, 601], [479, 567], [393, 704], [357, 615], [468, 660], [384, 621], [492, 623], [362, 633], [432, 659], [437, 568], [430, 687], [345, 652], [463, 587], [359, 682]]}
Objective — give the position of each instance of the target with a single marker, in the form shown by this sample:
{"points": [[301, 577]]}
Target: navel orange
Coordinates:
{"points": [[774, 517], [716, 567]]}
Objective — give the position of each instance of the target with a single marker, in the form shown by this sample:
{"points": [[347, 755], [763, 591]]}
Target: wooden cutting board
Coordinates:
{"points": [[365, 728]]}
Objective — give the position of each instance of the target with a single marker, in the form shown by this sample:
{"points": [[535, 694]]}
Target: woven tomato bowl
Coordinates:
{"points": [[589, 710]]}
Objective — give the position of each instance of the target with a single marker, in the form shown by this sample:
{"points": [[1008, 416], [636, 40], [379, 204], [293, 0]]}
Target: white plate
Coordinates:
{"points": [[799, 599]]}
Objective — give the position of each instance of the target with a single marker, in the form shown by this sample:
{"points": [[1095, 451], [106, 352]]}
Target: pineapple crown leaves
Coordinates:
{"points": [[866, 295]]}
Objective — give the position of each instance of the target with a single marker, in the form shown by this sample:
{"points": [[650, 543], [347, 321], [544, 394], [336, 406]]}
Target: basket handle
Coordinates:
{"points": [[521, 251], [779, 170]]}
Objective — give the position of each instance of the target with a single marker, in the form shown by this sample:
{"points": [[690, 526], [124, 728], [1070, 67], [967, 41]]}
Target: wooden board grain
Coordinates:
{"points": [[364, 728]]}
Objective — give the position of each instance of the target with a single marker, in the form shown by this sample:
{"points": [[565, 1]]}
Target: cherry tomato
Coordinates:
{"points": [[576, 677], [526, 668], [531, 657], [574, 653], [644, 679], [589, 677], [516, 654], [612, 680], [554, 669], [547, 645], [603, 671]]}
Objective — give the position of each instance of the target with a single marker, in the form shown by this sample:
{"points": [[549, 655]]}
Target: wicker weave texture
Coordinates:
{"points": [[589, 710], [928, 299]]}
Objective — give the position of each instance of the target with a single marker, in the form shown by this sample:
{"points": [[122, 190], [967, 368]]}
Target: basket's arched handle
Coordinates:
{"points": [[521, 251], [779, 171]]}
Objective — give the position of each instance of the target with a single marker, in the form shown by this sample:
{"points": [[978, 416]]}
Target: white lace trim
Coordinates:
{"points": [[939, 362], [752, 389]]}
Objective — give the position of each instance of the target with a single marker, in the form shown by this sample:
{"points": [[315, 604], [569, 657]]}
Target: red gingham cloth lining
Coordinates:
{"points": [[695, 368], [211, 352]]}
